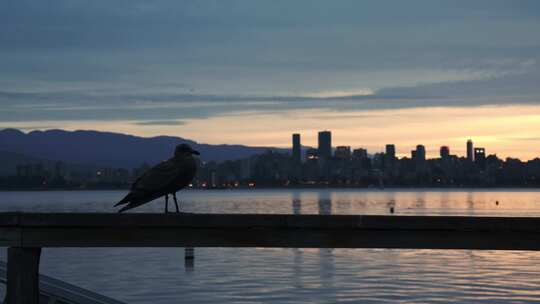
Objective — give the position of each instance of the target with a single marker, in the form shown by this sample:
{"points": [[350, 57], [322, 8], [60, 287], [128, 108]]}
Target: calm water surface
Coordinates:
{"points": [[258, 275]]}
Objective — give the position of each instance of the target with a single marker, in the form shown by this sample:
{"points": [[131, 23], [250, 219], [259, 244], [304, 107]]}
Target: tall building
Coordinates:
{"points": [[420, 153], [390, 151], [445, 152], [296, 149], [325, 144], [362, 162], [470, 151], [480, 157]]}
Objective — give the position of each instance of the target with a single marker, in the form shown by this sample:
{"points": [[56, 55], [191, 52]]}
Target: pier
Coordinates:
{"points": [[26, 233]]}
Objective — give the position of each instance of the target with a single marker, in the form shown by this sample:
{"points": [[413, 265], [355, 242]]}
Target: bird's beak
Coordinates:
{"points": [[195, 152]]}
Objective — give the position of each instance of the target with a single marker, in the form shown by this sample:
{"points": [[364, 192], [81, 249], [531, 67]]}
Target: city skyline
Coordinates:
{"points": [[298, 166], [329, 150], [432, 150]]}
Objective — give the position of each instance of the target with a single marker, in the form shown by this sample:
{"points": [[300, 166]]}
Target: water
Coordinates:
{"points": [[259, 275]]}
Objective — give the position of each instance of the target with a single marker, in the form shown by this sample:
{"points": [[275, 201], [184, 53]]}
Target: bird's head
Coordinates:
{"points": [[184, 150]]}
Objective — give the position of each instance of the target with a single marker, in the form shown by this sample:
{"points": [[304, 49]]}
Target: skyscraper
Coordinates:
{"points": [[420, 153], [325, 144], [390, 152], [445, 152], [470, 149], [296, 149]]}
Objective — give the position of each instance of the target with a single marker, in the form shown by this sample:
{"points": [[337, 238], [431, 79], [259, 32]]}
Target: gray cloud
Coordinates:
{"points": [[173, 60], [160, 123], [170, 109]]}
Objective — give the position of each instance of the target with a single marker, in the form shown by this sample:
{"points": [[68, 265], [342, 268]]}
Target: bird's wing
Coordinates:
{"points": [[157, 181], [157, 177]]}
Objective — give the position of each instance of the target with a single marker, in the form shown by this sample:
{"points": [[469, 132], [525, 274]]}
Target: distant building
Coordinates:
{"points": [[470, 147], [343, 152], [312, 154], [445, 152], [480, 157], [420, 153], [213, 179], [390, 152], [296, 149], [362, 163], [311, 173], [359, 154], [325, 144], [246, 168], [378, 160]]}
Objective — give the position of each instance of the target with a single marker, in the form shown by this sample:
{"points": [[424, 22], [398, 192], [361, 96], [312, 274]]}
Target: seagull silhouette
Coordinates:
{"points": [[166, 178]]}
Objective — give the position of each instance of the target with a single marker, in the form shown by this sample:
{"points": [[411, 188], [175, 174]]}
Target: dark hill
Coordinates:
{"points": [[110, 149]]}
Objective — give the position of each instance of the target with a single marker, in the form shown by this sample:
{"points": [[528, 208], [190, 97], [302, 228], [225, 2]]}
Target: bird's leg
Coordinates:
{"points": [[176, 202], [166, 203]]}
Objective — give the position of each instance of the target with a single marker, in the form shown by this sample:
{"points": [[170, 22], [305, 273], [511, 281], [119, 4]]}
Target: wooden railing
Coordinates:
{"points": [[26, 233]]}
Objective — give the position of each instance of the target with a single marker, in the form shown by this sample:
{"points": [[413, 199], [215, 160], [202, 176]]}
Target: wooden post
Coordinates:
{"points": [[189, 257], [23, 275]]}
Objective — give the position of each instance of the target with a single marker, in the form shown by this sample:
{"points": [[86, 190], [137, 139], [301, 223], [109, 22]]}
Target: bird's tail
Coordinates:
{"points": [[124, 201], [126, 207]]}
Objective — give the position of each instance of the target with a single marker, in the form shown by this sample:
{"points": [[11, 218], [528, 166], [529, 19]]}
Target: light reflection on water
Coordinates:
{"points": [[258, 275]]}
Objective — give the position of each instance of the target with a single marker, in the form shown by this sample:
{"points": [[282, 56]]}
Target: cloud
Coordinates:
{"points": [[168, 61], [340, 93], [305, 46], [532, 138], [520, 83], [153, 108], [160, 123]]}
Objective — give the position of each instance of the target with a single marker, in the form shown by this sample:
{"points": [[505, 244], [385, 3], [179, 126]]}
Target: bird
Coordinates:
{"points": [[164, 179]]}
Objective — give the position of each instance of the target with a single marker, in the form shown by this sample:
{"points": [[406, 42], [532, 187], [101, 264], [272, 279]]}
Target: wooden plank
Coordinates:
{"points": [[271, 230], [23, 275], [8, 219], [267, 237], [269, 220]]}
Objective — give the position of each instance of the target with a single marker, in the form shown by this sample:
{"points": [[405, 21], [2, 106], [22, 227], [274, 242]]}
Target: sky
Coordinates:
{"points": [[254, 72]]}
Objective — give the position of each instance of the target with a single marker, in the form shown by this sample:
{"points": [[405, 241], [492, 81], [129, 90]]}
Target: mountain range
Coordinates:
{"points": [[107, 149]]}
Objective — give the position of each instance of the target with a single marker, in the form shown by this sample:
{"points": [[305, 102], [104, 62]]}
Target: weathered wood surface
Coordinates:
{"points": [[267, 230]]}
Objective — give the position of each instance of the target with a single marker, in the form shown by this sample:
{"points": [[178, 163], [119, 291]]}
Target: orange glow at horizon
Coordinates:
{"points": [[503, 130]]}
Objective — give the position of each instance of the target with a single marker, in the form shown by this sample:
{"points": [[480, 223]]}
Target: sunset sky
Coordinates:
{"points": [[254, 72]]}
